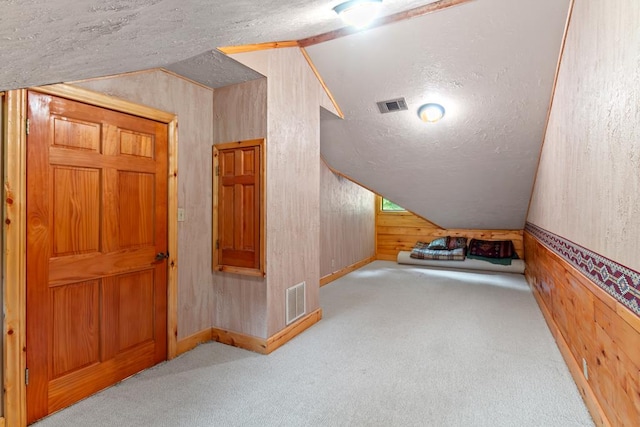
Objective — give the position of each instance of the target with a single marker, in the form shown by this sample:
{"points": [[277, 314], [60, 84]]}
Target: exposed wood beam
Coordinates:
{"points": [[400, 16], [230, 50]]}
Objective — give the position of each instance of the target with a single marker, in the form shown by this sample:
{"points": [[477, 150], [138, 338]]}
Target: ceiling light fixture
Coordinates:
{"points": [[358, 13], [431, 113]]}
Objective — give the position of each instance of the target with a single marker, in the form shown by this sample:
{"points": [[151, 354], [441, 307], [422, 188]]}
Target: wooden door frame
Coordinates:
{"points": [[14, 145]]}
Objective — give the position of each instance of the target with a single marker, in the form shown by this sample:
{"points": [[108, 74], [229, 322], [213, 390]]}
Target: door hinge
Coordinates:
{"points": [[26, 376], [217, 244], [26, 126]]}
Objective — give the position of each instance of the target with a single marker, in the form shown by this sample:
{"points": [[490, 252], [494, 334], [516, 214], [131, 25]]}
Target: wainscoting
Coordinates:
{"points": [[399, 231], [592, 310]]}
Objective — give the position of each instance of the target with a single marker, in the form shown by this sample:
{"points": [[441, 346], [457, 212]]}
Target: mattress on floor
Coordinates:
{"points": [[517, 265]]}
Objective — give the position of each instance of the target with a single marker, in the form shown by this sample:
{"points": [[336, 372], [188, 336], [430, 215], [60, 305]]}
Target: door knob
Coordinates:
{"points": [[161, 256]]}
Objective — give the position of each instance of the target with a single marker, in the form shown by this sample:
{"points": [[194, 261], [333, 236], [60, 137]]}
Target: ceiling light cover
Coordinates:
{"points": [[431, 113], [358, 13]]}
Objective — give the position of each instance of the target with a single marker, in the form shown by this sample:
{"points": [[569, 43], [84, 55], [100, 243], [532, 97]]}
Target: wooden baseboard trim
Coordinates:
{"points": [[291, 331], [192, 341], [387, 257], [237, 339], [598, 415], [266, 346], [344, 271]]}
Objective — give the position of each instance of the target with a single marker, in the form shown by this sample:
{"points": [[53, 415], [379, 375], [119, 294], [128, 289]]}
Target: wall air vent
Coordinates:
{"points": [[296, 302], [392, 105]]}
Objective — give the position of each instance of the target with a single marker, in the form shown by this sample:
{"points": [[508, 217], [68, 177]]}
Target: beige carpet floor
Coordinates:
{"points": [[398, 346]]}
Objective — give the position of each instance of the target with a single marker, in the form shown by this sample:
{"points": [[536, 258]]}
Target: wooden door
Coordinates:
{"points": [[239, 206], [96, 218]]}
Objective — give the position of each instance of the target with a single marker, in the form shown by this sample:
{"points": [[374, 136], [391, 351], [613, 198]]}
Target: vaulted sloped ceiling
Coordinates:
{"points": [[53, 41], [491, 64]]}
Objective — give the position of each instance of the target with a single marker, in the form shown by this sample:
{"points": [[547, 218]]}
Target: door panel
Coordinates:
{"points": [[136, 206], [96, 217], [135, 303], [76, 134], [239, 207], [75, 321], [76, 200]]}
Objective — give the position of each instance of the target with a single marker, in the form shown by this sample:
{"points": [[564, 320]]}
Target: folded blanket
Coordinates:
{"points": [[421, 251]]}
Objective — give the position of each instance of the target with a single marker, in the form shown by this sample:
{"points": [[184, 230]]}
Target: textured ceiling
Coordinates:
{"points": [[491, 63], [50, 41]]}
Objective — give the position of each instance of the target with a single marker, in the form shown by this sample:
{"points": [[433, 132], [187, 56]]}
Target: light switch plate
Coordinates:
{"points": [[180, 214]]}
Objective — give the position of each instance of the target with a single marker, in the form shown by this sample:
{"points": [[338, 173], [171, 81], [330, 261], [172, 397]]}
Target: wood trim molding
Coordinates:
{"points": [[105, 101], [230, 50], [193, 340], [14, 337], [322, 83], [400, 16], [266, 346], [553, 95], [172, 242], [287, 334], [237, 339], [325, 280], [15, 231]]}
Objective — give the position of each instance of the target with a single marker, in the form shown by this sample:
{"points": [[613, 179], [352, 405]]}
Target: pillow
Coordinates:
{"points": [[491, 248], [420, 251], [457, 243], [439, 243]]}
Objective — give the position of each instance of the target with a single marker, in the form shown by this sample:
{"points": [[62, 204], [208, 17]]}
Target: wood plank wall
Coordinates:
{"points": [[294, 97], [589, 325], [240, 303], [399, 231]]}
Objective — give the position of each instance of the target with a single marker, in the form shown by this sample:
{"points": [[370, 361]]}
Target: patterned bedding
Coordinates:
{"points": [[421, 251]]}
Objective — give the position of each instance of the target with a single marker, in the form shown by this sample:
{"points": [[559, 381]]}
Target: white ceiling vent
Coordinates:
{"points": [[296, 302], [392, 105]]}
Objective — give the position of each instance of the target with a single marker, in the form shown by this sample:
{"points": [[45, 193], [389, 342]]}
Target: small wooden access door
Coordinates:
{"points": [[96, 246], [238, 204]]}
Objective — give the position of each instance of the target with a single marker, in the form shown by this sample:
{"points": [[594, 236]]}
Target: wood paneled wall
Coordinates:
{"points": [[193, 104], [588, 182], [347, 222], [294, 98], [399, 231], [592, 326], [240, 113]]}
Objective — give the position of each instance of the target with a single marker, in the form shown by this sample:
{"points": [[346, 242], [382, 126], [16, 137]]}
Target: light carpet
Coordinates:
{"points": [[398, 346]]}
